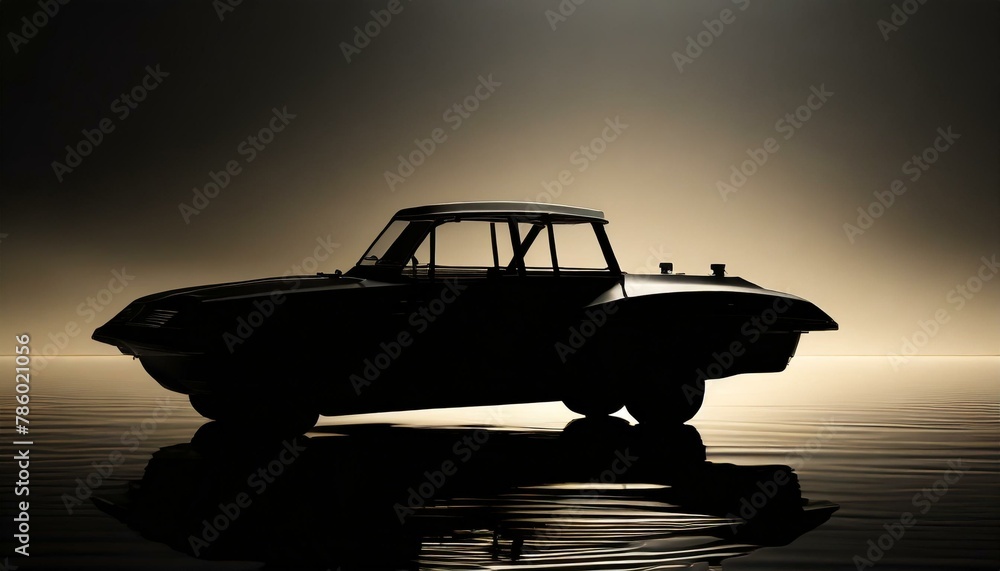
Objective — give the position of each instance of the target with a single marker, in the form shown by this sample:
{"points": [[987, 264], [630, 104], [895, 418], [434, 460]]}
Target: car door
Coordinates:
{"points": [[488, 324], [564, 272]]}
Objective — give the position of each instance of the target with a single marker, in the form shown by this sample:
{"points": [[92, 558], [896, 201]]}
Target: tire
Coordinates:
{"points": [[212, 407], [591, 407], [162, 373], [593, 389], [663, 403], [290, 416], [593, 395]]}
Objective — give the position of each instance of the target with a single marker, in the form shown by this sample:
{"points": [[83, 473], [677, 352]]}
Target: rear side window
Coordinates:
{"points": [[538, 256], [577, 247]]}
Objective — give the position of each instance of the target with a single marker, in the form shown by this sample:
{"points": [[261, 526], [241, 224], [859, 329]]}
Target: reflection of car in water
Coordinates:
{"points": [[459, 305], [599, 495]]}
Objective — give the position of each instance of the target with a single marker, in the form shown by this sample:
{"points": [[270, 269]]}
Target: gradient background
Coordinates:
{"points": [[323, 176]]}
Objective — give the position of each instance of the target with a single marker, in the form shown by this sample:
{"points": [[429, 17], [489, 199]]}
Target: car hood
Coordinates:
{"points": [[255, 288]]}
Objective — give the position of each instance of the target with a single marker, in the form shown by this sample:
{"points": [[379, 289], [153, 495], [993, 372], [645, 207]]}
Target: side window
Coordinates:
{"points": [[465, 245], [577, 247], [468, 246], [538, 256]]}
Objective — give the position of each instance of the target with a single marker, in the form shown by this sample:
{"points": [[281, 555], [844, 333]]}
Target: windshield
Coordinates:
{"points": [[381, 245], [396, 243]]}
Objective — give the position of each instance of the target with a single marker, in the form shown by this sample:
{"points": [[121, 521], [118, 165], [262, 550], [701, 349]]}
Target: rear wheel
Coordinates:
{"points": [[670, 402], [594, 406]]}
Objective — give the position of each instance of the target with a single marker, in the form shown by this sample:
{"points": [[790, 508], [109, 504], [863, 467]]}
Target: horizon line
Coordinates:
{"points": [[36, 356]]}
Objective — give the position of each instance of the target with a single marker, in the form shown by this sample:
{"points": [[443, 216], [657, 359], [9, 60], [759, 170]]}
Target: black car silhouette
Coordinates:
{"points": [[464, 304]]}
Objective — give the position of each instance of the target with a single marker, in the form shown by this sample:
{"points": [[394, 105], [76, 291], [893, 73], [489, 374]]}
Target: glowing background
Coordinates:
{"points": [[323, 176]]}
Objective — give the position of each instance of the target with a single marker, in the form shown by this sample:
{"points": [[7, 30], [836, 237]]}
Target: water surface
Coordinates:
{"points": [[875, 450]]}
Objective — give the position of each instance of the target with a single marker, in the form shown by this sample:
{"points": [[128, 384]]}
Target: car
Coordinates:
{"points": [[465, 304]]}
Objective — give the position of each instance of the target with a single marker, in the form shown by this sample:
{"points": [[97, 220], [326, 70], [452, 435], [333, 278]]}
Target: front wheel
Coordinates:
{"points": [[669, 402], [212, 407], [593, 389], [295, 416]]}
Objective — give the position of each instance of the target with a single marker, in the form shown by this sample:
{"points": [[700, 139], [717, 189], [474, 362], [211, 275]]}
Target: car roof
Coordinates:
{"points": [[501, 210]]}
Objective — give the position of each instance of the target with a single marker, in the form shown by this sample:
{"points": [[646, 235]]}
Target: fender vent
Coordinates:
{"points": [[154, 318]]}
